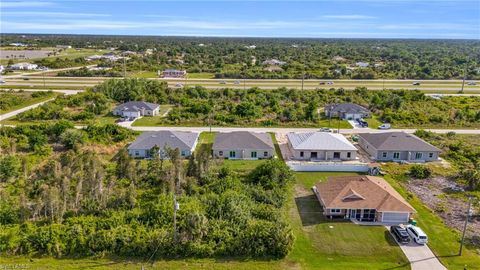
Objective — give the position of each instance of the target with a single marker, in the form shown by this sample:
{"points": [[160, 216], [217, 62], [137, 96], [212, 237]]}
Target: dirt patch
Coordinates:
{"points": [[437, 193]]}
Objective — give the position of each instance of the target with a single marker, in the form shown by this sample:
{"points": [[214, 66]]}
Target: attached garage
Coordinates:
{"points": [[395, 217]]}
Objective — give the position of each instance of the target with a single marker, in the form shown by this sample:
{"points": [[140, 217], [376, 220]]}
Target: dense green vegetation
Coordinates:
{"points": [[83, 200], [60, 62], [463, 151], [81, 107], [10, 100], [322, 58], [198, 106], [85, 72]]}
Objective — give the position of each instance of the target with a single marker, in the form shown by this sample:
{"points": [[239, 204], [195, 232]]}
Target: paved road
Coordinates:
{"points": [[64, 91], [420, 257], [286, 130], [14, 113]]}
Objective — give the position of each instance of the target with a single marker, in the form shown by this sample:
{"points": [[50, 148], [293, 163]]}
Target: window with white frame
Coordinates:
{"points": [[220, 153], [384, 154], [430, 155], [396, 155], [418, 155], [335, 211]]}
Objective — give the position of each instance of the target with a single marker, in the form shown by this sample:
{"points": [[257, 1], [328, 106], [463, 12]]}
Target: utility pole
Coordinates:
{"points": [[464, 77], [465, 225], [303, 71], [124, 68], [176, 206]]}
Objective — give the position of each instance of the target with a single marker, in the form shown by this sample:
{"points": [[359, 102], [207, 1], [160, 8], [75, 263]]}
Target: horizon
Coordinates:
{"points": [[366, 19]]}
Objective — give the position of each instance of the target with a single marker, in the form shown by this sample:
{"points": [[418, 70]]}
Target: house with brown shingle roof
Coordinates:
{"points": [[243, 145], [362, 198], [397, 146]]}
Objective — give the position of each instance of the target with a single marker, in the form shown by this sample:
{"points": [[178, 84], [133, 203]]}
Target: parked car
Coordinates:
{"points": [[385, 126], [223, 82], [362, 123], [416, 83], [325, 129], [400, 234], [417, 235], [471, 83]]}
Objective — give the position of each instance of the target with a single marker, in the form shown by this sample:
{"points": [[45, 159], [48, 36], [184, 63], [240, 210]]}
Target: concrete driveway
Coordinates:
{"points": [[420, 257]]}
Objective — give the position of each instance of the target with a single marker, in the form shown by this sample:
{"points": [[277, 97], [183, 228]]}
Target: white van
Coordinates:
{"points": [[385, 126], [417, 235]]}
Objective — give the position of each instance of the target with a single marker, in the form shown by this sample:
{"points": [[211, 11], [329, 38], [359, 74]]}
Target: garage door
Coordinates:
{"points": [[395, 217]]}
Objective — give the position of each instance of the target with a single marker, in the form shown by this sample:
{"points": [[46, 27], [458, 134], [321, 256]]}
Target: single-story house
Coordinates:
{"points": [[184, 141], [397, 146], [174, 73], [23, 66], [318, 146], [273, 62], [362, 64], [243, 145], [136, 109], [346, 111], [364, 198]]}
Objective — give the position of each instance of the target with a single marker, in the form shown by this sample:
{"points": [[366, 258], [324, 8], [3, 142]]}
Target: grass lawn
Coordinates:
{"points": [[153, 120], [373, 122], [201, 75], [29, 100], [326, 244], [143, 74]]}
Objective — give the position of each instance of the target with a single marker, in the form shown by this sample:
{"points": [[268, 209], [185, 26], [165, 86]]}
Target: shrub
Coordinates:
{"points": [[420, 171]]}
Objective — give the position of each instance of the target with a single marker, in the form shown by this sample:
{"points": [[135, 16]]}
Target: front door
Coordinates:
{"points": [[336, 155], [313, 155], [352, 213]]}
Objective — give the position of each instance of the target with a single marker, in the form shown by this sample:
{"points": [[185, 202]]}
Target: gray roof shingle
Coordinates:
{"points": [[347, 108], [171, 139], [392, 141], [136, 106], [319, 141], [243, 140]]}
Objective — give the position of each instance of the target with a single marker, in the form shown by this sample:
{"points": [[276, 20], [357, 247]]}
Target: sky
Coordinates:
{"points": [[312, 19]]}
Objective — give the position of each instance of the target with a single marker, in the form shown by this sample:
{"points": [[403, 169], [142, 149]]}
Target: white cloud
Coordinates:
{"points": [[348, 17], [51, 14], [19, 4]]}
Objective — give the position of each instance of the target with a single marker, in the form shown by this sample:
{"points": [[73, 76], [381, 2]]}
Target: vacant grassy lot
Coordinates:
{"points": [[444, 241], [27, 100]]}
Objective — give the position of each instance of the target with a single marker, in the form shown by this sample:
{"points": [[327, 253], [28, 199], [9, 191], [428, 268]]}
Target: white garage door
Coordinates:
{"points": [[391, 217]]}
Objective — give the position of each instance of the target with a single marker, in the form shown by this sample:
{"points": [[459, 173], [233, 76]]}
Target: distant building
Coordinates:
{"points": [[63, 47], [136, 109], [273, 62], [174, 73], [346, 111], [23, 66], [338, 58], [362, 64], [18, 44], [273, 69], [185, 142], [243, 145], [251, 47]]}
